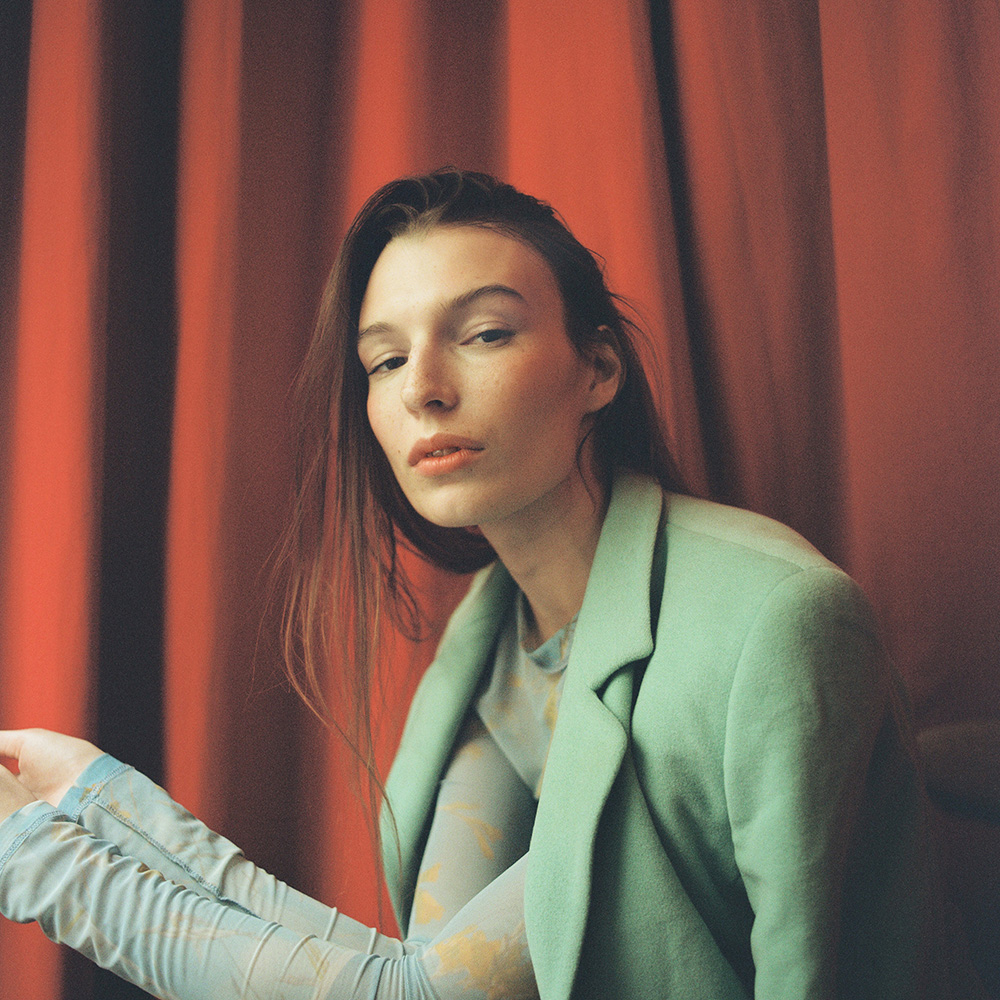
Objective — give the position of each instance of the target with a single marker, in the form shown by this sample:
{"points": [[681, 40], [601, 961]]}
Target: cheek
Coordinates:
{"points": [[544, 381], [554, 398]]}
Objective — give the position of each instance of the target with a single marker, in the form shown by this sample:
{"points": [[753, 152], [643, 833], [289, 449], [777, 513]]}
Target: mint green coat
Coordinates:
{"points": [[730, 807]]}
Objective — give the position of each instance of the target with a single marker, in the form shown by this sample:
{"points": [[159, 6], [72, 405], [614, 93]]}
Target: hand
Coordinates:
{"points": [[49, 762], [13, 794]]}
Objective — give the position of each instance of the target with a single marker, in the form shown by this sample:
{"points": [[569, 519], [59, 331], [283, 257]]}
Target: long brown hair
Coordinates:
{"points": [[341, 548]]}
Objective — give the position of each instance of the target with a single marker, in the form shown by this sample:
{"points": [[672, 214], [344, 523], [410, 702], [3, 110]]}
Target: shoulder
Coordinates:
{"points": [[742, 592], [710, 569], [738, 533], [739, 559], [756, 632], [639, 510]]}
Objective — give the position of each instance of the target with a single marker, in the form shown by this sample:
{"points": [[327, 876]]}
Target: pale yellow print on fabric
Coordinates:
{"points": [[486, 834], [322, 964], [552, 703], [425, 907], [190, 839], [471, 751], [494, 966], [316, 961]]}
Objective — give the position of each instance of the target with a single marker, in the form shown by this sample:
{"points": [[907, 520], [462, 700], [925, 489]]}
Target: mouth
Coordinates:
{"points": [[442, 446], [443, 461]]}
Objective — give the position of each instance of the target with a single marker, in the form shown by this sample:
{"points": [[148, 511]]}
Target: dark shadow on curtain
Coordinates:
{"points": [[711, 416], [140, 85], [15, 45]]}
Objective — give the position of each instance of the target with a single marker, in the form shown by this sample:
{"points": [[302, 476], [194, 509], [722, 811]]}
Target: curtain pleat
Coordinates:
{"points": [[207, 209], [758, 255], [801, 203], [47, 581]]}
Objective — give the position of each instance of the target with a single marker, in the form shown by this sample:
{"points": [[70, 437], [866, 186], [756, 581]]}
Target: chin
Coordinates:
{"points": [[458, 513], [453, 519]]}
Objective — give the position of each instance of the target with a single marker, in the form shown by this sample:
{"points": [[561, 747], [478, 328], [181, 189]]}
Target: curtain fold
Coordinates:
{"points": [[748, 110], [207, 245], [54, 339], [801, 203]]}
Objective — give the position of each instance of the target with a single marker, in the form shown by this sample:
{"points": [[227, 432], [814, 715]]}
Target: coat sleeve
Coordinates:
{"points": [[824, 801]]}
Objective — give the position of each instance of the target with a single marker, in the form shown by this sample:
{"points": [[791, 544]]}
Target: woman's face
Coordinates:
{"points": [[475, 392]]}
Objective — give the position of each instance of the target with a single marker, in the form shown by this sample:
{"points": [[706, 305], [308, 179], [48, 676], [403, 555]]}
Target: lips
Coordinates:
{"points": [[442, 447]]}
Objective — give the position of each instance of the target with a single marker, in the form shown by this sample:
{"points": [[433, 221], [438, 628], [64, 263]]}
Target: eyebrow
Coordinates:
{"points": [[462, 301]]}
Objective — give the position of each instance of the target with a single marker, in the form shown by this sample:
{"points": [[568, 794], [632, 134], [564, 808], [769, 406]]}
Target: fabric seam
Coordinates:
{"points": [[22, 836]]}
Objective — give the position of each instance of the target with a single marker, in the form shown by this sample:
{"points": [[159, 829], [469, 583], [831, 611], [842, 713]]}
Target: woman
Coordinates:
{"points": [[658, 754]]}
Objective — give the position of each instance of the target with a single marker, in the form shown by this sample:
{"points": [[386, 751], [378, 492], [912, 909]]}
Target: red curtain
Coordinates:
{"points": [[802, 201]]}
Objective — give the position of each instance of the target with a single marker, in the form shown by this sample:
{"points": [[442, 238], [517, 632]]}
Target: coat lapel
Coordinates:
{"points": [[613, 640]]}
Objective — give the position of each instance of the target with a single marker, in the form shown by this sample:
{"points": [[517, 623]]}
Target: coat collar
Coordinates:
{"points": [[613, 632], [620, 571]]}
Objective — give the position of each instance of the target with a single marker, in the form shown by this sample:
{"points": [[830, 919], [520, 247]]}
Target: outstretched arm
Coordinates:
{"points": [[123, 807], [182, 932], [177, 944]]}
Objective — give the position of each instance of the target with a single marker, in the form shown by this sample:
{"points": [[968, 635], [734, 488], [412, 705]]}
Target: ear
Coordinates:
{"points": [[607, 370]]}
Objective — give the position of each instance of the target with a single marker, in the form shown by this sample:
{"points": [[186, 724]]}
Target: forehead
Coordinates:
{"points": [[430, 269]]}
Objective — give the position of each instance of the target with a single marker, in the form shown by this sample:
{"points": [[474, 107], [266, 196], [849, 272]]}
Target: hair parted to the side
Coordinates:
{"points": [[340, 552]]}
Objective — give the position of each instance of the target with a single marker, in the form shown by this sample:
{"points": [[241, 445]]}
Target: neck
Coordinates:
{"points": [[549, 550]]}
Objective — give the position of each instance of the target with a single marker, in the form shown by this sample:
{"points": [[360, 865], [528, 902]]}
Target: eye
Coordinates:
{"points": [[493, 336], [390, 364]]}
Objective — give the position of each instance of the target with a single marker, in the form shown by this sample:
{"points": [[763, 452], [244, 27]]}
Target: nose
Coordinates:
{"points": [[428, 383]]}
